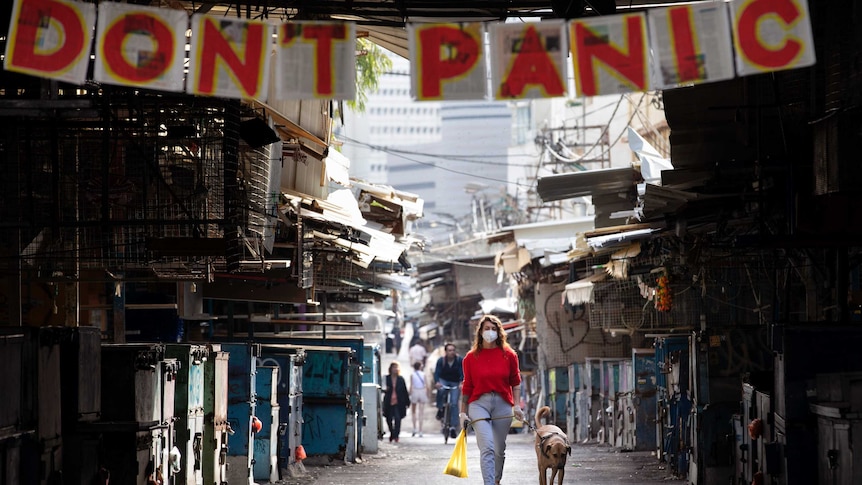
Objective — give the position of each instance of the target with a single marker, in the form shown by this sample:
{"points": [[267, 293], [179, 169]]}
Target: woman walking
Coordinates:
{"points": [[418, 397], [492, 382], [395, 400]]}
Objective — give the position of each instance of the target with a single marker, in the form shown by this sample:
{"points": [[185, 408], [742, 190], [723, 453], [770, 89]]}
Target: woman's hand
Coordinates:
{"points": [[463, 417], [519, 413]]}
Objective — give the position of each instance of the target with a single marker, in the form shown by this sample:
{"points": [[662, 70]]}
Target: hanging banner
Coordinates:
{"points": [[528, 60], [447, 61], [51, 38], [140, 46], [229, 57], [144, 47], [610, 54], [316, 60], [771, 35], [698, 44]]}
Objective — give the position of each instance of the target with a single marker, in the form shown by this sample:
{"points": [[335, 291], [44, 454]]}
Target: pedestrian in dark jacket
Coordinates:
{"points": [[448, 373], [395, 400]]}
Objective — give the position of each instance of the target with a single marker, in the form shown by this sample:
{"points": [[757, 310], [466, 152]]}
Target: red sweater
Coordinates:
{"points": [[491, 370]]}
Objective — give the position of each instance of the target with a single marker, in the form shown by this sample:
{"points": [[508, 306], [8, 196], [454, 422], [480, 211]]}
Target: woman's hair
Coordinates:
{"points": [[501, 334], [394, 367], [417, 365]]}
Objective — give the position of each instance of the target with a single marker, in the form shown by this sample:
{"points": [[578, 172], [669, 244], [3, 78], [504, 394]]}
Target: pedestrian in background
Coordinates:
{"points": [[417, 352], [448, 372], [418, 397], [395, 400], [492, 380]]}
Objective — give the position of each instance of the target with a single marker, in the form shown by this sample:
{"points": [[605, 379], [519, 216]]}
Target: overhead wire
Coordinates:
{"points": [[546, 147], [459, 172], [445, 157], [607, 126]]}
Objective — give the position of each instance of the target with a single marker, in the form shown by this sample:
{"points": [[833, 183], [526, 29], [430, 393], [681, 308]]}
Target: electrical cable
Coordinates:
{"points": [[448, 158]]}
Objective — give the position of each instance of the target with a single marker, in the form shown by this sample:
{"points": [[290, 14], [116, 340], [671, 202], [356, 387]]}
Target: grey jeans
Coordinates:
{"points": [[491, 434]]}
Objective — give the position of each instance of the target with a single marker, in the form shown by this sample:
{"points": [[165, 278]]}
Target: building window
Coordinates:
{"points": [[521, 124]]}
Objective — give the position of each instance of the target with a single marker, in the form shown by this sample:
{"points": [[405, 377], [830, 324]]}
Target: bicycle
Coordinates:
{"points": [[448, 430]]}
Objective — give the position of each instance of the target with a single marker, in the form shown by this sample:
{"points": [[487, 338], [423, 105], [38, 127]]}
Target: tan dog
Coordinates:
{"points": [[552, 448]]}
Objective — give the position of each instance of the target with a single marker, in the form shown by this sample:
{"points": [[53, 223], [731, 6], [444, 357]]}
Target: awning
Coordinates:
{"points": [[391, 38], [427, 332], [618, 238], [512, 259], [337, 167], [513, 326], [498, 305], [396, 282], [581, 291], [288, 128], [412, 204], [375, 245], [592, 182]]}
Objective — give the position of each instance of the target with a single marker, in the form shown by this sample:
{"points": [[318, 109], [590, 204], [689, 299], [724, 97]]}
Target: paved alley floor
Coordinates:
{"points": [[421, 461]]}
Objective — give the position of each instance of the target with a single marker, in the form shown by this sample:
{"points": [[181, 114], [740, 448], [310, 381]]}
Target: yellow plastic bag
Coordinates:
{"points": [[457, 466]]}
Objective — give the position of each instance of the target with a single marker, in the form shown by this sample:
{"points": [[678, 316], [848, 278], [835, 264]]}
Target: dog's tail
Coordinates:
{"points": [[541, 412]]}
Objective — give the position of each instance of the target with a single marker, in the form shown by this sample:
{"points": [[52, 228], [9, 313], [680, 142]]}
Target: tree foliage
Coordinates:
{"points": [[371, 63]]}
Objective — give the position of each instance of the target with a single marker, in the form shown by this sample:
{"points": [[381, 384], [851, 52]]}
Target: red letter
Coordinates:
{"points": [[589, 45], [34, 15], [141, 70], [215, 47], [445, 52], [532, 66], [753, 48], [322, 37], [683, 44]]}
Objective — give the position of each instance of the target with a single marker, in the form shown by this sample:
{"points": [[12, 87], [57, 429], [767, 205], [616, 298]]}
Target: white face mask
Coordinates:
{"points": [[489, 336]]}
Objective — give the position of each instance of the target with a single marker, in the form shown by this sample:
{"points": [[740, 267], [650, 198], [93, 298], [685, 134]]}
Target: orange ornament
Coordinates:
{"points": [[755, 428]]}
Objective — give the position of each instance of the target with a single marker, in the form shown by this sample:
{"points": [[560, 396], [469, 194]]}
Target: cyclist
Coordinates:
{"points": [[448, 372]]}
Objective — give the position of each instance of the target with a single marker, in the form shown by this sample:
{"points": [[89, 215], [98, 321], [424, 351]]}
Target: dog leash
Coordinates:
{"points": [[470, 423]]}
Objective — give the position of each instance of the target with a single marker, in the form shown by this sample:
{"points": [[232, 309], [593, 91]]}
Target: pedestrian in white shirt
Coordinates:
{"points": [[418, 397], [418, 353]]}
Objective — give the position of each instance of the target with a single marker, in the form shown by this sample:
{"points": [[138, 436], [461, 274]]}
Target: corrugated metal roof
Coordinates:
{"points": [[591, 182], [377, 246]]}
